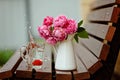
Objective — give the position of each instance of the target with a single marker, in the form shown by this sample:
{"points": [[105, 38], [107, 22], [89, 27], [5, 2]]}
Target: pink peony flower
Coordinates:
{"points": [[48, 21], [59, 33], [60, 21], [44, 31], [71, 27], [58, 29], [51, 40]]}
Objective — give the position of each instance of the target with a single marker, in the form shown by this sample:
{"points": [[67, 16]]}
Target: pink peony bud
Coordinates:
{"points": [[60, 21], [59, 33], [48, 21], [44, 31], [71, 27]]}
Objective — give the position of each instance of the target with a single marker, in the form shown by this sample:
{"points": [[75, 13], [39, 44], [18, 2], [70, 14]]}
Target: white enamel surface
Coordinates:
{"points": [[65, 59]]}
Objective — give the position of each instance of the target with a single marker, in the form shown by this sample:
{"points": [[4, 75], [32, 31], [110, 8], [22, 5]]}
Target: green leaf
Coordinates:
{"points": [[76, 37], [83, 34], [80, 29], [80, 23]]}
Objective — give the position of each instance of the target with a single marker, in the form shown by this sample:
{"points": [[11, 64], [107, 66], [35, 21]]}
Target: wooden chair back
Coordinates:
{"points": [[98, 54]]}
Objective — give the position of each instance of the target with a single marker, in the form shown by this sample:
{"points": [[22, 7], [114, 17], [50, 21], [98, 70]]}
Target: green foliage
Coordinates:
{"points": [[80, 23], [81, 32], [5, 55]]}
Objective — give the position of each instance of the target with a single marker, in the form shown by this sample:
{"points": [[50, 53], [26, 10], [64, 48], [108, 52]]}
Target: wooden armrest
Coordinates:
{"points": [[61, 75]]}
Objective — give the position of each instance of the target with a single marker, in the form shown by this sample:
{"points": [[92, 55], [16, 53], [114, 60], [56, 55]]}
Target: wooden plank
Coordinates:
{"points": [[81, 68], [115, 15], [68, 76], [96, 47], [100, 3], [95, 67], [9, 68], [87, 58], [110, 33], [93, 45], [109, 14], [60, 75], [44, 73], [23, 72], [100, 30], [82, 72], [82, 76]]}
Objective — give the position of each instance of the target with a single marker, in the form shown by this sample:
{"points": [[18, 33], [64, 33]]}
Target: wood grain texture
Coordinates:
{"points": [[68, 76], [86, 57], [109, 14], [101, 14], [104, 52], [101, 3], [98, 30], [98, 48], [103, 31], [115, 15], [110, 33], [95, 67], [81, 68], [63, 75], [93, 45], [82, 76]]}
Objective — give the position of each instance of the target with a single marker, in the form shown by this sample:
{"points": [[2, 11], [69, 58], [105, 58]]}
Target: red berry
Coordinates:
{"points": [[37, 62]]}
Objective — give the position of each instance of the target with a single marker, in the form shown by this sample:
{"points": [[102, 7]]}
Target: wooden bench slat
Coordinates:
{"points": [[96, 47], [110, 33], [100, 30], [63, 75], [87, 58], [82, 76], [93, 45], [68, 76], [109, 14], [100, 3], [8, 69], [81, 68]]}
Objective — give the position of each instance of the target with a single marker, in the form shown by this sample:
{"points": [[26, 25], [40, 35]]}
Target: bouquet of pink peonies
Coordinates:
{"points": [[58, 29]]}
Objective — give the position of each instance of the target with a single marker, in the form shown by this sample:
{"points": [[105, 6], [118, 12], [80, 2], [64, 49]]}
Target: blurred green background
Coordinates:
{"points": [[5, 55]]}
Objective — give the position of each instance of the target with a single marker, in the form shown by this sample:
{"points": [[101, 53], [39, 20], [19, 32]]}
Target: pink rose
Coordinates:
{"points": [[48, 21], [71, 27], [60, 21], [59, 33], [44, 31], [51, 40]]}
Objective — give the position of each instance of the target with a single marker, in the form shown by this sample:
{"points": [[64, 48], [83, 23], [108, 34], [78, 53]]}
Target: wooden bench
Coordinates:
{"points": [[96, 56]]}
